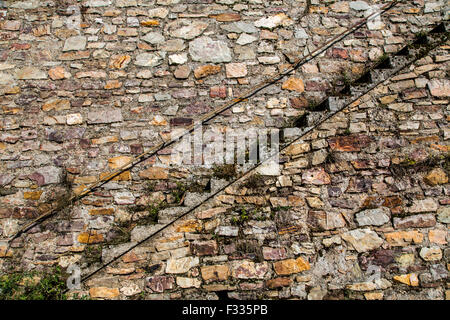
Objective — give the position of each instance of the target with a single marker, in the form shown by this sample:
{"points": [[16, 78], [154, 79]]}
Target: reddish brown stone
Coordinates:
{"points": [[339, 53], [218, 92], [392, 201], [349, 143], [207, 70], [278, 283], [316, 176], [160, 283], [299, 102], [215, 273], [180, 122], [204, 248], [290, 266], [154, 173], [20, 46], [274, 253]]}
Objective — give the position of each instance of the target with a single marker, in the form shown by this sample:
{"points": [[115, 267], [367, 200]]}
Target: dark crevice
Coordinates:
{"points": [[384, 64]]}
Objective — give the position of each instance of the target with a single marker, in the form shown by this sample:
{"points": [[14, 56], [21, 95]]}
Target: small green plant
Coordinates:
{"points": [[150, 186], [179, 191], [346, 78], [244, 216], [32, 286], [93, 253], [76, 296], [280, 208], [382, 59]]}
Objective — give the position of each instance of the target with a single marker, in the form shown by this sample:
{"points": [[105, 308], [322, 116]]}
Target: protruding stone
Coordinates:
{"points": [[104, 293], [316, 176], [105, 116], [75, 43], [90, 237], [190, 31], [74, 119], [431, 254], [363, 239], [58, 73], [290, 266], [226, 17], [274, 253], [436, 176], [117, 162], [160, 283], [236, 70], [154, 173], [181, 265], [154, 38], [245, 39], [47, 175], [294, 84], [321, 220], [215, 273], [178, 58], [348, 143], [443, 215], [184, 282], [204, 49], [403, 238], [359, 5], [148, 60], [373, 217], [119, 61], [182, 72], [439, 87], [248, 270], [410, 279], [425, 205], [31, 73], [207, 70], [272, 22], [204, 248], [416, 221], [210, 213]]}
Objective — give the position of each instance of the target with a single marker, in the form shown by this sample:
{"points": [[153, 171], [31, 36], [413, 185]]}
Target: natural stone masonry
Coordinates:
{"points": [[77, 103]]}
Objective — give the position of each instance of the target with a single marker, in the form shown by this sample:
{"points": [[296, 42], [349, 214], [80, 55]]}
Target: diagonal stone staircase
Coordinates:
{"points": [[382, 70]]}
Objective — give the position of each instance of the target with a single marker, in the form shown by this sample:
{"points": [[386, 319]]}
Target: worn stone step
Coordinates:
{"points": [[217, 184], [191, 199], [169, 214], [336, 103]]}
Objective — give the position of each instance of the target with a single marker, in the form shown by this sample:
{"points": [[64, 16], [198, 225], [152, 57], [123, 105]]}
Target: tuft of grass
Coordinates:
{"points": [[254, 181], [93, 253], [179, 192], [244, 216], [22, 286], [225, 171], [409, 166]]}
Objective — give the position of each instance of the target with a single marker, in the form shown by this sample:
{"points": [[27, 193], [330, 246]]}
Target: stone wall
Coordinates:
{"points": [[362, 196]]}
